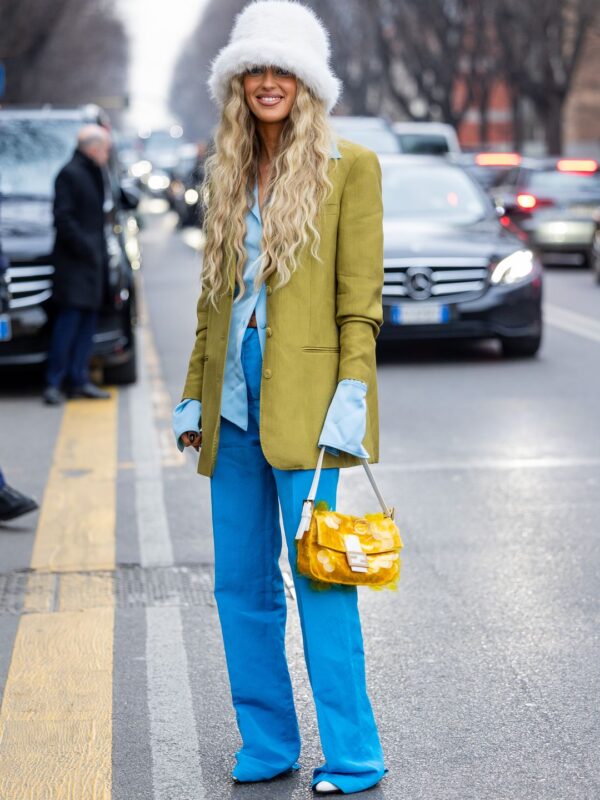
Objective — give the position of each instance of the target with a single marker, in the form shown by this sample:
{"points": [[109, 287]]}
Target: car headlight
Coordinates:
{"points": [[513, 268]]}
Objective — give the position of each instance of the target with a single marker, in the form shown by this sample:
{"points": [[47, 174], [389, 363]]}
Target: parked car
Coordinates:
{"points": [[183, 192], [34, 145], [5, 322], [426, 138], [487, 168], [556, 203], [158, 156], [452, 270], [372, 132]]}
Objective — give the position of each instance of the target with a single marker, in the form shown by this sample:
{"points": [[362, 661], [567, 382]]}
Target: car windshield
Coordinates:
{"points": [[431, 192], [565, 185], [32, 151], [381, 141], [423, 143]]}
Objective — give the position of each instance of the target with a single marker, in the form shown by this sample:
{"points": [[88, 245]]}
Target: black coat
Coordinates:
{"points": [[80, 256]]}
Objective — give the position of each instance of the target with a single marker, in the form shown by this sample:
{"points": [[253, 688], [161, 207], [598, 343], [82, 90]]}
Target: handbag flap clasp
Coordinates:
{"points": [[357, 559]]}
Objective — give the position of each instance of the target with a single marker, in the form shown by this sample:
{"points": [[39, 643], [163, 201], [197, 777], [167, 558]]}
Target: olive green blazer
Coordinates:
{"points": [[322, 327]]}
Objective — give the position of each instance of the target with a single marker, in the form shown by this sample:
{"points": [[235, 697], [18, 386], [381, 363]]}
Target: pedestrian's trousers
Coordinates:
{"points": [[250, 596], [71, 345]]}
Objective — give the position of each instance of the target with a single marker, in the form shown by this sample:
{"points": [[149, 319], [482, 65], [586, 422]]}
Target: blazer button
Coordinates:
{"points": [[267, 373], [269, 290], [269, 332]]}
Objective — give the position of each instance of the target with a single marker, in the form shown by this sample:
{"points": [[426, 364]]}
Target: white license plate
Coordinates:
{"points": [[5, 329], [409, 314]]}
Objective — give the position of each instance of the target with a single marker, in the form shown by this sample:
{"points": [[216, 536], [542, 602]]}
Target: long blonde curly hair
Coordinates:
{"points": [[298, 184]]}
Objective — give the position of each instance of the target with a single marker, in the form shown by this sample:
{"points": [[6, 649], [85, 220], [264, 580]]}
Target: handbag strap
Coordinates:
{"points": [[389, 512]]}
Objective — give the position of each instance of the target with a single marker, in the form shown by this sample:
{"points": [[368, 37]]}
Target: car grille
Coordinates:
{"points": [[30, 284], [458, 278]]}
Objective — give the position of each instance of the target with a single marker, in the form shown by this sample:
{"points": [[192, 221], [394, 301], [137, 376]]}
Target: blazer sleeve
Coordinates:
{"points": [[195, 374], [359, 267]]}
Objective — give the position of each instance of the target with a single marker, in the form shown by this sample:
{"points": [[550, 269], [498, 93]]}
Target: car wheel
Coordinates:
{"points": [[521, 346], [121, 374]]}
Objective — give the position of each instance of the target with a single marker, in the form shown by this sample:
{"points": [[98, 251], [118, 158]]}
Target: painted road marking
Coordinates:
{"points": [[572, 322], [151, 514], [56, 718], [76, 528], [176, 772], [56, 715]]}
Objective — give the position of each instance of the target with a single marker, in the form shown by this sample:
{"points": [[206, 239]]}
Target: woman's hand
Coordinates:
{"points": [[192, 439], [187, 424]]}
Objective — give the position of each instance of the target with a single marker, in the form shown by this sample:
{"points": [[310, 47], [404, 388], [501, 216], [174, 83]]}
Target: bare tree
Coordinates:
{"points": [[62, 51], [429, 54], [189, 98], [423, 59], [541, 43], [353, 33]]}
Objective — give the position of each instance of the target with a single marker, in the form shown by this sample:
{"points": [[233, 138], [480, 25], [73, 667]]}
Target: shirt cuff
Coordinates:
{"points": [[186, 417], [346, 421]]}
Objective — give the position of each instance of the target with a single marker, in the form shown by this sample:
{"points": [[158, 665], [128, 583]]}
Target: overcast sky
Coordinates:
{"points": [[157, 30]]}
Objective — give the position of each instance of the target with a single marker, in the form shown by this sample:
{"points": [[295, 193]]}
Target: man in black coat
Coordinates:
{"points": [[80, 262]]}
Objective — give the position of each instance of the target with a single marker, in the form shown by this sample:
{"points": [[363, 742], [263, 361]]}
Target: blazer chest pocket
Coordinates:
{"points": [[321, 349]]}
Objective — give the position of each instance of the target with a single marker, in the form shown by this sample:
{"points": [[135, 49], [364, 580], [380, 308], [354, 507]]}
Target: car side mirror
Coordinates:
{"points": [[130, 197]]}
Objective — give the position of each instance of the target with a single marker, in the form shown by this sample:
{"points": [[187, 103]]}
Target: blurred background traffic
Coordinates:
{"points": [[484, 115]]}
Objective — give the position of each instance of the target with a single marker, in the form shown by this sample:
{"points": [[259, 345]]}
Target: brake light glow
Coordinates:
{"points": [[526, 201], [577, 165], [498, 159]]}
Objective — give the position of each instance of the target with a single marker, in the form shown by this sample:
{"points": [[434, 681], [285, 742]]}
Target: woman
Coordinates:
{"points": [[284, 362]]}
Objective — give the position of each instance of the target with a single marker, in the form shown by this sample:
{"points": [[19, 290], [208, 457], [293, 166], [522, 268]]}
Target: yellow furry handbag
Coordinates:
{"points": [[338, 548]]}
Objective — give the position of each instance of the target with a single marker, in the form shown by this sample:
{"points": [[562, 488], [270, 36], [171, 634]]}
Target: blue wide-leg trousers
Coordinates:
{"points": [[246, 493]]}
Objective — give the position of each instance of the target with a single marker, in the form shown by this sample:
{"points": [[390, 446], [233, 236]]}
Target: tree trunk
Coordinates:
{"points": [[517, 122], [552, 117], [484, 127]]}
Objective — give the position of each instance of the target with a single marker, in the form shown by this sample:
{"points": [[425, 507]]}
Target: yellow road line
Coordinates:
{"points": [[56, 719], [77, 522], [56, 715]]}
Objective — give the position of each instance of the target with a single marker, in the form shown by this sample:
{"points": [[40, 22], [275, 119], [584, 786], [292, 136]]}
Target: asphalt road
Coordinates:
{"points": [[484, 667]]}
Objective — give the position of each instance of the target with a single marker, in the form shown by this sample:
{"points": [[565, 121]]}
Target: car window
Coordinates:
{"points": [[423, 143], [432, 192], [32, 151], [507, 179], [563, 185]]}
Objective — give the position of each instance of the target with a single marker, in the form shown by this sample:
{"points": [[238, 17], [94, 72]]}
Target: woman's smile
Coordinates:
{"points": [[269, 100]]}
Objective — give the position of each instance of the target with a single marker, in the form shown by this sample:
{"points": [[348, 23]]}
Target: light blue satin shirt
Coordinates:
{"points": [[345, 423]]}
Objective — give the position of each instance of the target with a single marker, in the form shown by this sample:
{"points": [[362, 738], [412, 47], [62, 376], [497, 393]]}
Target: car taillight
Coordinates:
{"points": [[526, 201], [577, 165], [498, 159], [529, 201]]}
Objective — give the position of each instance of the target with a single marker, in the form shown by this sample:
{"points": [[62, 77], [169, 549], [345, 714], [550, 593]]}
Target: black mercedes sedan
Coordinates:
{"points": [[454, 269]]}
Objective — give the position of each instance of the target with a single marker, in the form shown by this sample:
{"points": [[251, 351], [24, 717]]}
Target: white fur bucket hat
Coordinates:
{"points": [[280, 33]]}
